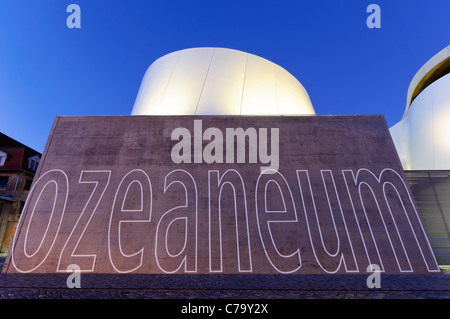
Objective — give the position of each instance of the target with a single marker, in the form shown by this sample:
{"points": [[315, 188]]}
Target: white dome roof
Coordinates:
{"points": [[218, 81]]}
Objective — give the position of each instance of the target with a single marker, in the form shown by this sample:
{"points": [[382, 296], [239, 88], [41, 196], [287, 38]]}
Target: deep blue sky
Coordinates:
{"points": [[47, 69]]}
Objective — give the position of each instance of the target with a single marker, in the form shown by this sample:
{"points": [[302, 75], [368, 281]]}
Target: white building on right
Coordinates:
{"points": [[422, 137], [422, 140]]}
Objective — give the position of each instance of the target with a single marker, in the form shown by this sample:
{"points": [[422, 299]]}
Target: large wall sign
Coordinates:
{"points": [[220, 194]]}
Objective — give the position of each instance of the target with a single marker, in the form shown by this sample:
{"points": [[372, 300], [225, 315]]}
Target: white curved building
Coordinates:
{"points": [[422, 137], [422, 140], [219, 81]]}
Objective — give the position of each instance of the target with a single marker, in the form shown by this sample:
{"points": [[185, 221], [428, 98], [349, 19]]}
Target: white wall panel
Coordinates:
{"points": [[400, 136], [441, 121], [185, 85], [290, 94], [259, 88], [224, 84], [420, 124], [422, 138], [155, 81]]}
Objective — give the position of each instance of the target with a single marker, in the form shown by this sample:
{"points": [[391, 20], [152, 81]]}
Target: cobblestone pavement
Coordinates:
{"points": [[95, 286], [129, 286]]}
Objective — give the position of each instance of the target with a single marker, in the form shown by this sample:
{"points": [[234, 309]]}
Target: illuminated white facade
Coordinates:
{"points": [[219, 81], [422, 137]]}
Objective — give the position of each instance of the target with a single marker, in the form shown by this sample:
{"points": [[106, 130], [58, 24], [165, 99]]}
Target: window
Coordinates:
{"points": [[33, 163], [4, 181], [3, 158], [27, 185]]}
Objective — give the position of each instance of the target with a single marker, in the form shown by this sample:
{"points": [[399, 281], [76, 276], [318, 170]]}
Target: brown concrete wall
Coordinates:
{"points": [[109, 198]]}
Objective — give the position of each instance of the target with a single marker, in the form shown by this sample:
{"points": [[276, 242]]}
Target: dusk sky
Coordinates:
{"points": [[48, 69]]}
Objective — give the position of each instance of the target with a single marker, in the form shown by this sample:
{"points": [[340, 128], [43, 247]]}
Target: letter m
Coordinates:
{"points": [[388, 221], [240, 136]]}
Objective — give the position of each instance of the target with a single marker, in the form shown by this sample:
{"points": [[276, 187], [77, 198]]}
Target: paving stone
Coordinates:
{"points": [[52, 286]]}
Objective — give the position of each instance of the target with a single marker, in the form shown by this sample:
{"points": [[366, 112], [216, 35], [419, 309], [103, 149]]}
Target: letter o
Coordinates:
{"points": [[22, 260]]}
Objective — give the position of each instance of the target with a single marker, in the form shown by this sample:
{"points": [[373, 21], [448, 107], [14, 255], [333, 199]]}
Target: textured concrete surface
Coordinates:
{"points": [[110, 197]]}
